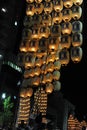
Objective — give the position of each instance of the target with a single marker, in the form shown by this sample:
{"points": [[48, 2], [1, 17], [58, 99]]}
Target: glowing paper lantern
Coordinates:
{"points": [[66, 15], [38, 8], [57, 85], [29, 92], [64, 57], [77, 39], [77, 2], [58, 5], [29, 1], [65, 41], [66, 28], [30, 10], [46, 19], [77, 27], [29, 60], [76, 12], [49, 88], [48, 7], [76, 54], [56, 17], [56, 75], [68, 3]]}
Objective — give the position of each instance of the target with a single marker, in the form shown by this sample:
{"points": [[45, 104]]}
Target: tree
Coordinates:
{"points": [[6, 115]]}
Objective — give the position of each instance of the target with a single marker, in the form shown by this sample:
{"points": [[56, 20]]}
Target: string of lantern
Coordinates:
{"points": [[52, 36]]}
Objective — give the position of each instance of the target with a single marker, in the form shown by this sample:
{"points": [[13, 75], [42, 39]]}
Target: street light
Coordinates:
{"points": [[3, 95]]}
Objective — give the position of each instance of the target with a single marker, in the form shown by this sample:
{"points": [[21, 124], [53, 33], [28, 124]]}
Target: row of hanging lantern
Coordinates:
{"points": [[52, 35], [38, 35], [66, 3], [24, 109], [49, 6], [74, 123], [43, 79], [30, 61], [65, 15], [40, 97]]}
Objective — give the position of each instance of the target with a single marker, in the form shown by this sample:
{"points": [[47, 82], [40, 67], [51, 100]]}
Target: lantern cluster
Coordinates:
{"points": [[52, 35], [24, 110], [44, 70], [74, 123], [40, 105]]}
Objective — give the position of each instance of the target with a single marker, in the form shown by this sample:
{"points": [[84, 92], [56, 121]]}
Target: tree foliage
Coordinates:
{"points": [[6, 115]]}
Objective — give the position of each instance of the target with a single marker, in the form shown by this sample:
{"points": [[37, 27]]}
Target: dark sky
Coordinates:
{"points": [[74, 81]]}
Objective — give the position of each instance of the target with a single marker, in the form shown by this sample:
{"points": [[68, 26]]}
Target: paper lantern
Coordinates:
{"points": [[29, 1], [76, 12], [57, 65], [49, 77], [37, 71], [49, 88], [43, 69], [30, 10], [64, 57], [76, 54], [42, 79], [32, 45], [77, 39], [48, 7], [66, 28], [35, 32], [27, 21], [36, 19], [50, 67], [29, 60], [66, 15], [29, 82], [77, 2], [53, 44], [56, 30], [56, 75], [36, 81], [41, 52], [29, 92], [38, 1], [23, 93], [38, 62], [26, 34], [46, 19], [38, 8], [50, 58], [23, 46], [68, 3], [26, 73], [56, 17], [58, 5], [44, 59], [57, 85], [30, 72], [77, 27], [44, 31], [24, 83], [65, 41], [43, 44], [56, 55]]}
